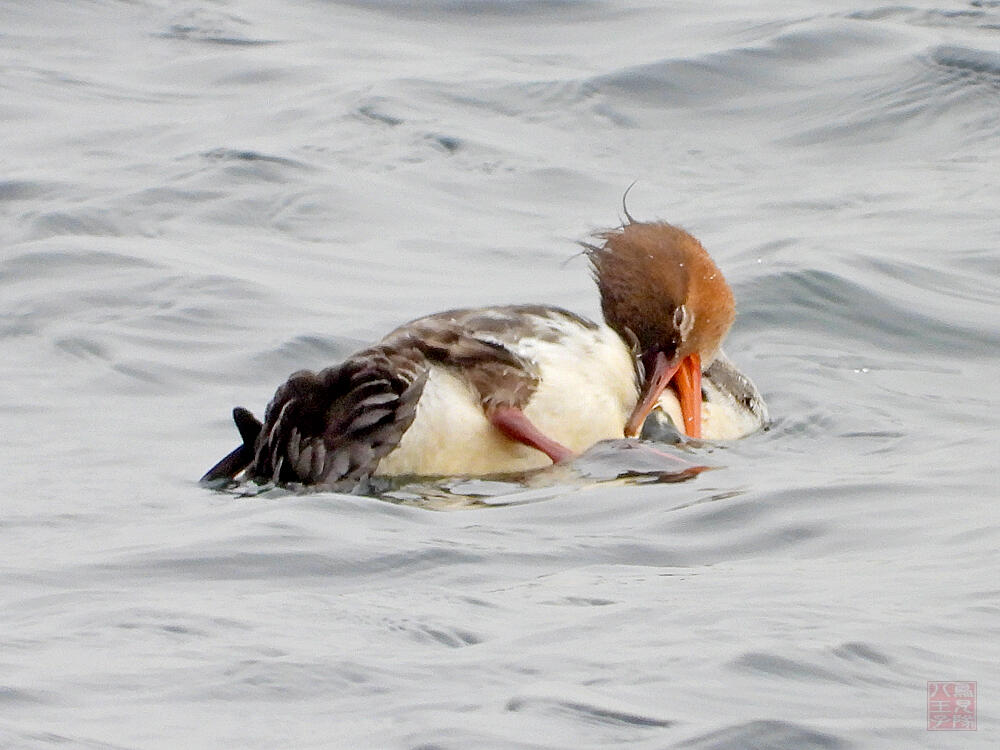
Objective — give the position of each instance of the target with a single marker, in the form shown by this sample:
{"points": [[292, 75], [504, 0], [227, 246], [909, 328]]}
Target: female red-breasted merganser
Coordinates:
{"points": [[502, 389]]}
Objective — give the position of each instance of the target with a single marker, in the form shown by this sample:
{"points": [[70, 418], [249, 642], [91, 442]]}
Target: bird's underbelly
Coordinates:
{"points": [[586, 391]]}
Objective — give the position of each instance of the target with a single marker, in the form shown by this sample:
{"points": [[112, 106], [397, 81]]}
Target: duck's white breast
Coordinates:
{"points": [[587, 387]]}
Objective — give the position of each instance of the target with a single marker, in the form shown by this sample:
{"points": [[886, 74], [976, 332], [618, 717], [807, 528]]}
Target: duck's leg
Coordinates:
{"points": [[513, 423]]}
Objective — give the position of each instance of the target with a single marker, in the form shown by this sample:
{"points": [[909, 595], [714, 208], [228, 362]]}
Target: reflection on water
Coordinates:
{"points": [[611, 463]]}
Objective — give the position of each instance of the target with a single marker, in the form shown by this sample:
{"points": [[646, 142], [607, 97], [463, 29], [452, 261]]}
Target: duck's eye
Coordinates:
{"points": [[683, 320]]}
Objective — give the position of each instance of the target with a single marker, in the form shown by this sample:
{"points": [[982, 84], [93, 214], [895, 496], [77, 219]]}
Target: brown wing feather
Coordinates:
{"points": [[480, 344], [331, 428]]}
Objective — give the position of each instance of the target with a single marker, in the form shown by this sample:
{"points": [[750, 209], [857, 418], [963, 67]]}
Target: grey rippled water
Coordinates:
{"points": [[200, 198]]}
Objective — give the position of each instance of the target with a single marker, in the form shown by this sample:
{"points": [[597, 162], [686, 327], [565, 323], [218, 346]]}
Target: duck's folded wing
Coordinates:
{"points": [[331, 428]]}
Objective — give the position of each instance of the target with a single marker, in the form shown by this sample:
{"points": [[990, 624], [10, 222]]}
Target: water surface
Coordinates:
{"points": [[198, 199]]}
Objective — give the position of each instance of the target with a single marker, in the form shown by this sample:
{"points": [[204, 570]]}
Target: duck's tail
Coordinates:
{"points": [[239, 459]]}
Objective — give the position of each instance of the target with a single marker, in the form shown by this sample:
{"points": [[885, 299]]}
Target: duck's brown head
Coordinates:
{"points": [[661, 290]]}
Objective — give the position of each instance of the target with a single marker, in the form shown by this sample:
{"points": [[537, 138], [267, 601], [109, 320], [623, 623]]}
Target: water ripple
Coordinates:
{"points": [[773, 735]]}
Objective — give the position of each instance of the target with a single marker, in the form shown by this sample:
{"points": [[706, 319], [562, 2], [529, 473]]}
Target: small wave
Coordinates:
{"points": [[92, 222], [979, 16], [444, 635], [589, 711], [829, 305], [10, 696], [680, 82], [781, 666], [276, 676], [773, 735], [44, 264], [442, 9], [25, 190], [110, 313], [966, 59], [243, 155], [933, 96], [241, 565], [743, 73], [208, 27], [857, 651], [308, 351], [44, 740]]}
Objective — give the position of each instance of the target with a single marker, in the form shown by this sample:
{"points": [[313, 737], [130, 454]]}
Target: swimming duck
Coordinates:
{"points": [[503, 389]]}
